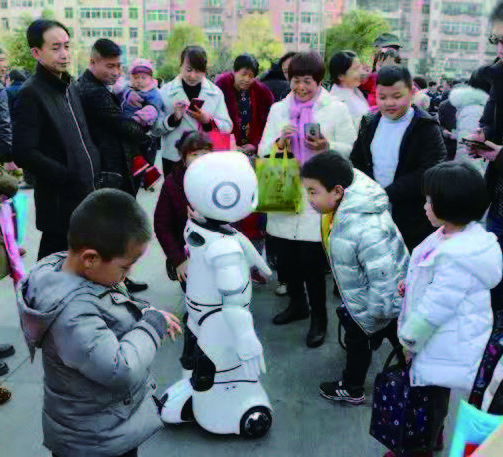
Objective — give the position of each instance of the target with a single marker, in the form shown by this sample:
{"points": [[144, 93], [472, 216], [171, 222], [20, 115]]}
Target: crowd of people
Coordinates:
{"points": [[395, 165]]}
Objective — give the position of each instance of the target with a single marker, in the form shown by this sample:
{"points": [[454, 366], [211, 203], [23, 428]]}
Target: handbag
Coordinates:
{"points": [[220, 141], [406, 419], [279, 184]]}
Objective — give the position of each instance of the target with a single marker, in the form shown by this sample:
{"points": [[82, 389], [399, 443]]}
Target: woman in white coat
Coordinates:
{"points": [[346, 76], [469, 101], [297, 237], [183, 116]]}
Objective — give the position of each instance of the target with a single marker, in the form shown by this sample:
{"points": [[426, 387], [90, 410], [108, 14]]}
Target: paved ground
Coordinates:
{"points": [[304, 424]]}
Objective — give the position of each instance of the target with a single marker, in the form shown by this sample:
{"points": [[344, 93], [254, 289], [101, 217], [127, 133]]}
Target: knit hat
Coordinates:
{"points": [[141, 66]]}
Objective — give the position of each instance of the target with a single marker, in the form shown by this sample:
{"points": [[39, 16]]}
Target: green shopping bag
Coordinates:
{"points": [[279, 184]]}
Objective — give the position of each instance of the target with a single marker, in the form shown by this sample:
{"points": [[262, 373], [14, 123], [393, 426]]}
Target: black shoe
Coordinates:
{"points": [[6, 350], [133, 287], [291, 313], [317, 331], [4, 369], [338, 391]]}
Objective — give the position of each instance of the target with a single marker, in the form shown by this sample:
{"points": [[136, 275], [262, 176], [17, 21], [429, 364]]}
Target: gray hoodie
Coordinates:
{"points": [[97, 349], [368, 255]]}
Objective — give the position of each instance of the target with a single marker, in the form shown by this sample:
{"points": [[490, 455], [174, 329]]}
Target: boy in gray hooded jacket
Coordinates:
{"points": [[98, 343], [368, 258]]}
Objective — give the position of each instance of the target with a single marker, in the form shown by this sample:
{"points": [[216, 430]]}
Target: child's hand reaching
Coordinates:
{"points": [[401, 288], [173, 322]]}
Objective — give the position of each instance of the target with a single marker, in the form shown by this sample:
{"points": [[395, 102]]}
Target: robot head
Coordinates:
{"points": [[222, 186]]}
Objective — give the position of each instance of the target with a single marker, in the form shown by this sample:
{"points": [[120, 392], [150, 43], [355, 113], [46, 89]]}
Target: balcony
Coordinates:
{"points": [[256, 5], [214, 5]]}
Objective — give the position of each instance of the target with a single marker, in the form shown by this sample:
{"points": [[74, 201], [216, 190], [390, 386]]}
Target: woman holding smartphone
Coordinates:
{"points": [[191, 102], [307, 122]]}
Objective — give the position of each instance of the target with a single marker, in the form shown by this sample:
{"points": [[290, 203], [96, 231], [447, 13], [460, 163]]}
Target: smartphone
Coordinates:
{"points": [[476, 144], [312, 131], [196, 103]]}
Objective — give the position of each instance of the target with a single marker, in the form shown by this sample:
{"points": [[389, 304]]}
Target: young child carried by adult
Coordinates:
{"points": [[98, 343], [171, 214], [447, 319], [146, 93], [368, 258]]}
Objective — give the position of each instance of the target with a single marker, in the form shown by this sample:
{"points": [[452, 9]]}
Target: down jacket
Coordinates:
{"points": [[214, 105], [447, 319], [469, 103], [368, 255], [97, 349], [337, 127]]}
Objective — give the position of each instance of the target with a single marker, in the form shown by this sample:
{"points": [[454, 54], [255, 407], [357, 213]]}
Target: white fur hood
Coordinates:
{"points": [[464, 96]]}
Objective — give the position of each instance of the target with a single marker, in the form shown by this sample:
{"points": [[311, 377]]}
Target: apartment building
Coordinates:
{"points": [[143, 26], [439, 36]]}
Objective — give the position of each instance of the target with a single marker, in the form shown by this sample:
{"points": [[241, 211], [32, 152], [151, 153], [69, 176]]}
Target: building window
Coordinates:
{"points": [[287, 37], [133, 13], [309, 38], [451, 46], [68, 13], [158, 35], [133, 51], [308, 18], [288, 18], [213, 20], [4, 4], [5, 23], [426, 27], [163, 15], [133, 32], [180, 16], [213, 3], [458, 8], [215, 39], [152, 15]]}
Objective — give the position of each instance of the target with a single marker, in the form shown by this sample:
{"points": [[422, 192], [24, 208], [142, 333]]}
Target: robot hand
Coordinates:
{"points": [[253, 367]]}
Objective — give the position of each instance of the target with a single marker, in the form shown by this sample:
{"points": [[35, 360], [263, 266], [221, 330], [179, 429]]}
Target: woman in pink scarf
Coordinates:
{"points": [[308, 109]]}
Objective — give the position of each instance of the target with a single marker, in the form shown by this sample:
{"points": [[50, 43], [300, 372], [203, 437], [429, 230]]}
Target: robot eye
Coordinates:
{"points": [[226, 195]]}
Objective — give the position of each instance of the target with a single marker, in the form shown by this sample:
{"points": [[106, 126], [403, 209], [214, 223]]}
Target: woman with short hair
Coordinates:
{"points": [[307, 122]]}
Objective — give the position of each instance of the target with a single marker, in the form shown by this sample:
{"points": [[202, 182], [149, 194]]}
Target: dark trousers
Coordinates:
{"points": [[167, 166], [52, 242], [304, 264], [271, 250], [131, 453], [495, 225], [359, 347]]}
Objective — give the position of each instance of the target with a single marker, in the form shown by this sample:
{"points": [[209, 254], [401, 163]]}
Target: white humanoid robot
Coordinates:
{"points": [[222, 356]]}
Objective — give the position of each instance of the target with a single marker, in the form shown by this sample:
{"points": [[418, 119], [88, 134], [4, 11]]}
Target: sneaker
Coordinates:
{"points": [[337, 391], [281, 290], [4, 395]]}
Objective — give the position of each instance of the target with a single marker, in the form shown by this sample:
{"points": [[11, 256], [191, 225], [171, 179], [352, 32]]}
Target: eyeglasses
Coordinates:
{"points": [[495, 39]]}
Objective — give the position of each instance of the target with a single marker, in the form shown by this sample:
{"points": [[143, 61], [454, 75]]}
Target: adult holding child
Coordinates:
{"points": [[191, 102], [307, 122]]}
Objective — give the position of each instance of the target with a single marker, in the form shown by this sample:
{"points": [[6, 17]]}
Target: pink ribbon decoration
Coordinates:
{"points": [[17, 270]]}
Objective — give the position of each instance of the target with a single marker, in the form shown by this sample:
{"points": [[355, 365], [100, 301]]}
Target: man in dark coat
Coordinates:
{"points": [[117, 138], [50, 136], [395, 147]]}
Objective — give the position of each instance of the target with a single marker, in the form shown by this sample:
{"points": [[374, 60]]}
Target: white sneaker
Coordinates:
{"points": [[281, 289]]}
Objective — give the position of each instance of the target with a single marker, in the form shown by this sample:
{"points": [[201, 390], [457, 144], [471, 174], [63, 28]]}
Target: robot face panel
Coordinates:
{"points": [[222, 186]]}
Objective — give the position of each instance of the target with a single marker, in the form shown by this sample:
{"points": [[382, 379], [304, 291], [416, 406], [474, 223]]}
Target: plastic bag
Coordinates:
{"points": [[279, 184]]}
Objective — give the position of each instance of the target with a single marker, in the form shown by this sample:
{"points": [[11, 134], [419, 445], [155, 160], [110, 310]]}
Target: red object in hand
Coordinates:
{"points": [[138, 165], [470, 448], [151, 176]]}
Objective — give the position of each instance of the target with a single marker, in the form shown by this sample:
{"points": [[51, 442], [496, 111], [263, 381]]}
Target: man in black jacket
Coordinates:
{"points": [[50, 136], [395, 147], [117, 138]]}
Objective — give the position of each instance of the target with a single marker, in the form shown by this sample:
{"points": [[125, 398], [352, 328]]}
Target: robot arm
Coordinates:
{"points": [[232, 277]]}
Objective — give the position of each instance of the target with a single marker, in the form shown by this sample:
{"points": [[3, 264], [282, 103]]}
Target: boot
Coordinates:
{"points": [[317, 331], [4, 369], [6, 350], [293, 312]]}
